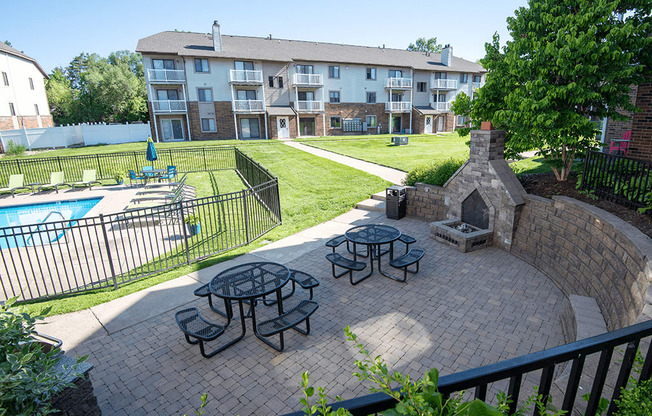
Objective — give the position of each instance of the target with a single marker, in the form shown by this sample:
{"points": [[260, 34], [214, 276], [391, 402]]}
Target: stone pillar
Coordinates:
{"points": [[487, 145]]}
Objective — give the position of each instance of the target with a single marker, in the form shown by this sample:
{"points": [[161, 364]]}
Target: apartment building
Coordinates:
{"points": [[23, 101], [214, 86]]}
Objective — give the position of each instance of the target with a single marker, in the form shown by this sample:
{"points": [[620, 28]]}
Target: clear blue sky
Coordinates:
{"points": [[54, 32]]}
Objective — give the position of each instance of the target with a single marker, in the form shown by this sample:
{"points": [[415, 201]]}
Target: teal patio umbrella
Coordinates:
{"points": [[151, 151]]}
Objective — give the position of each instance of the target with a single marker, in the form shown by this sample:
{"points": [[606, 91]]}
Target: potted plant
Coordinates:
{"points": [[194, 226], [119, 177]]}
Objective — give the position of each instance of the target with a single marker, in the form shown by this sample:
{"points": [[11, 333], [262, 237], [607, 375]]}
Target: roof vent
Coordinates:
{"points": [[270, 36]]}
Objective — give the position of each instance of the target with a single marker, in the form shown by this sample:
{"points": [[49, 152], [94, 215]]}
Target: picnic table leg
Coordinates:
{"points": [[279, 297], [244, 331], [371, 261]]}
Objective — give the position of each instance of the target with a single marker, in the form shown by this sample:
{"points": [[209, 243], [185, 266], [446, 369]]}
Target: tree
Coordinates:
{"points": [[60, 96], [569, 61], [425, 45], [7, 43]]}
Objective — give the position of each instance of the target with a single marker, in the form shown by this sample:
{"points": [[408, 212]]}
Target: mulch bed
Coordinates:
{"points": [[546, 185]]}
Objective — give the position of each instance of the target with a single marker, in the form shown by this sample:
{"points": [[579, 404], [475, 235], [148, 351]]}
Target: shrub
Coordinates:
{"points": [[636, 400], [437, 173], [14, 149]]}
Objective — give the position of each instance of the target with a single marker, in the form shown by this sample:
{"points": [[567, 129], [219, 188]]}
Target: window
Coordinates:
{"points": [[12, 111], [477, 78], [461, 120], [250, 128], [333, 72], [304, 69], [271, 82], [31, 83], [442, 98], [336, 122], [201, 65], [371, 121], [422, 86], [396, 97], [246, 95], [244, 65], [395, 73], [464, 78], [208, 124], [5, 78], [167, 94], [204, 95], [371, 98], [371, 73], [280, 82], [334, 96], [440, 75], [163, 63], [36, 110], [306, 96]]}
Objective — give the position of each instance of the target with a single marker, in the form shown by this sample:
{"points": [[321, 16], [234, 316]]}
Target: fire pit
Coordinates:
{"points": [[459, 234]]}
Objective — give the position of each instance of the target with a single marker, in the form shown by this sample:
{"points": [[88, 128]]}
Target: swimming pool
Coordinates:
{"points": [[26, 225]]}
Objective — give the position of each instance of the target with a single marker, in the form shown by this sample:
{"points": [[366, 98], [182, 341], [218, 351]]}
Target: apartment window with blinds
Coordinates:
{"points": [[477, 78], [5, 79], [440, 75], [371, 121], [271, 82], [201, 65], [31, 83], [244, 65], [208, 124], [334, 97], [464, 78], [422, 87], [36, 110], [333, 72], [371, 73], [461, 120], [163, 63], [304, 69], [280, 82], [204, 94], [12, 111], [371, 98], [336, 122]]}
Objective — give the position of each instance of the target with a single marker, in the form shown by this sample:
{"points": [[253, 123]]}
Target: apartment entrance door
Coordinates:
{"points": [[428, 125], [396, 124], [307, 126], [440, 123], [171, 129], [283, 124]]}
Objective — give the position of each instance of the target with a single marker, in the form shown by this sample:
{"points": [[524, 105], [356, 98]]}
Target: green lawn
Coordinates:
{"points": [[312, 190], [215, 183], [422, 149]]}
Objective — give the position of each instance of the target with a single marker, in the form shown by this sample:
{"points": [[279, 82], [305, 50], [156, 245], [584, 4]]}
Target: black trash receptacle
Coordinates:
{"points": [[395, 202]]}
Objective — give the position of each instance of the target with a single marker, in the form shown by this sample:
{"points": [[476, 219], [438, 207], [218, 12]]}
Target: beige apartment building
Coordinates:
{"points": [[214, 86]]}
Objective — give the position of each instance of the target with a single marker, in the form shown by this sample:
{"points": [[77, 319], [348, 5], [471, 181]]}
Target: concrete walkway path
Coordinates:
{"points": [[389, 174]]}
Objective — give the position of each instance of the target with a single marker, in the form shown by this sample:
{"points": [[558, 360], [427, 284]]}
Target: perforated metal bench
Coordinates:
{"points": [[407, 240], [300, 278], [205, 291], [337, 241], [195, 326], [287, 320], [406, 260]]}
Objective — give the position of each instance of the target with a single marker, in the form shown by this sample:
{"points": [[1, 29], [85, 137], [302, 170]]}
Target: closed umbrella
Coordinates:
{"points": [[151, 151]]}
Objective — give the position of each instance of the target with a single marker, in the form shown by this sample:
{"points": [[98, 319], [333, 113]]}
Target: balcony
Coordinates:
{"points": [[309, 106], [442, 106], [169, 106], [245, 76], [399, 83], [444, 84], [166, 76], [248, 106], [398, 107], [308, 80]]}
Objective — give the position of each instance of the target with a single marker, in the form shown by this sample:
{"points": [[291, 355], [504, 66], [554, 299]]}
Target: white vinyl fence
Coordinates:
{"points": [[77, 135]]}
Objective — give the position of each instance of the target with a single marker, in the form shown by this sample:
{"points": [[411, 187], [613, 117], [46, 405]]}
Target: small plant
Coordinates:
{"points": [[119, 176], [204, 402], [15, 149], [192, 219], [437, 173]]}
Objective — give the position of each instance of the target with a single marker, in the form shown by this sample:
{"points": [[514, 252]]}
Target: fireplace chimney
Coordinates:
{"points": [[447, 55], [217, 37], [487, 145]]}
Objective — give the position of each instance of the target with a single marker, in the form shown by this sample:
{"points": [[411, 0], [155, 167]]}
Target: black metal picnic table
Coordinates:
{"points": [[374, 236]]}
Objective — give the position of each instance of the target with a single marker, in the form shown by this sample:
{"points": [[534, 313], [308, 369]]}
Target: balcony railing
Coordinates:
{"points": [[308, 79], [444, 84], [399, 83], [308, 106], [248, 106], [245, 76], [168, 76], [442, 106], [169, 106], [398, 106]]}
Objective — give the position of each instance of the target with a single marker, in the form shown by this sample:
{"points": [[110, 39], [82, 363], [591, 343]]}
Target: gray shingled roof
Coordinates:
{"points": [[11, 51], [283, 50]]}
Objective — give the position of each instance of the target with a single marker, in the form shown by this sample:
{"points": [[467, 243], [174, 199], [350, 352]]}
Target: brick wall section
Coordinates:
{"points": [[6, 123], [426, 202], [641, 145], [589, 252], [418, 122], [223, 122], [449, 124], [354, 110], [616, 129], [28, 122]]}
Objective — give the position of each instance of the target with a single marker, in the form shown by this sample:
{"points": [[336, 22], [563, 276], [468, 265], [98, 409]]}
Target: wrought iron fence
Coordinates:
{"points": [[618, 178], [70, 256], [545, 362]]}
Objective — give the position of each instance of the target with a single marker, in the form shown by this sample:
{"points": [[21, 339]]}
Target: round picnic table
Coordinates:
{"points": [[374, 236]]}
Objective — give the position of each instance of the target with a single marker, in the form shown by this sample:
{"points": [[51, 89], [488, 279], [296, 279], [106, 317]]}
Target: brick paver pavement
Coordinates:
{"points": [[461, 311]]}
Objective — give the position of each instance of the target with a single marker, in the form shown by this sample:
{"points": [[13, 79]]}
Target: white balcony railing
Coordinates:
{"points": [[477, 84], [248, 106], [398, 106], [166, 75], [246, 76], [308, 79], [169, 106], [444, 84], [308, 106], [398, 83], [442, 106]]}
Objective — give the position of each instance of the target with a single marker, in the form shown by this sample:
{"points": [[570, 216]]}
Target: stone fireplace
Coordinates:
{"points": [[483, 199]]}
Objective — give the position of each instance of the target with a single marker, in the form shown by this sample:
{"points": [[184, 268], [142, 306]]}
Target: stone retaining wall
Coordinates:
{"points": [[426, 202], [589, 252]]}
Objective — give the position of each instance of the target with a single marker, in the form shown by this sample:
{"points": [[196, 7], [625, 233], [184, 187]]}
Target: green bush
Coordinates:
{"points": [[636, 401], [14, 149], [437, 173]]}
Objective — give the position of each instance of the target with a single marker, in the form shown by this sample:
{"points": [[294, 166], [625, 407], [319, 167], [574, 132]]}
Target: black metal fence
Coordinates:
{"points": [[70, 256], [618, 178], [613, 363]]}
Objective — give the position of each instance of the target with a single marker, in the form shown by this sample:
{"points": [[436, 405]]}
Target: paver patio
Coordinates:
{"points": [[460, 311]]}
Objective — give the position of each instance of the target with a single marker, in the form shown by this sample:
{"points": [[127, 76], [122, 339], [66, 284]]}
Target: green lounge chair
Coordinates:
{"points": [[15, 182], [89, 177], [56, 180]]}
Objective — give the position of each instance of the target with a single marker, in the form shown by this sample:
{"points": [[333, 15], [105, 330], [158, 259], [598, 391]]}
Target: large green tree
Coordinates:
{"points": [[569, 61], [425, 45]]}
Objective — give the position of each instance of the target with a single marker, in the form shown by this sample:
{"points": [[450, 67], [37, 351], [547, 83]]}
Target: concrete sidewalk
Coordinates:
{"points": [[389, 174]]}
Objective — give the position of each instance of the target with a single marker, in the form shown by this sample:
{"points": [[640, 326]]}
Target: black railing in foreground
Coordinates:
{"points": [[71, 256], [515, 369], [623, 180]]}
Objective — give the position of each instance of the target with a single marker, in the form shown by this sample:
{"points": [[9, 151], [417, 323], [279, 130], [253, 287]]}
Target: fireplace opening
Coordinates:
{"points": [[475, 211]]}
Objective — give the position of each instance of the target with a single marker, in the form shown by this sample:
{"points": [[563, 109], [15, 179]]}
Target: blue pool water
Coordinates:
{"points": [[27, 225]]}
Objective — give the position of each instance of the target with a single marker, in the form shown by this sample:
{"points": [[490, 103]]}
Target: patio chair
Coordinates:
{"points": [[135, 178], [89, 177], [15, 182], [172, 173], [56, 180], [195, 326], [621, 145]]}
